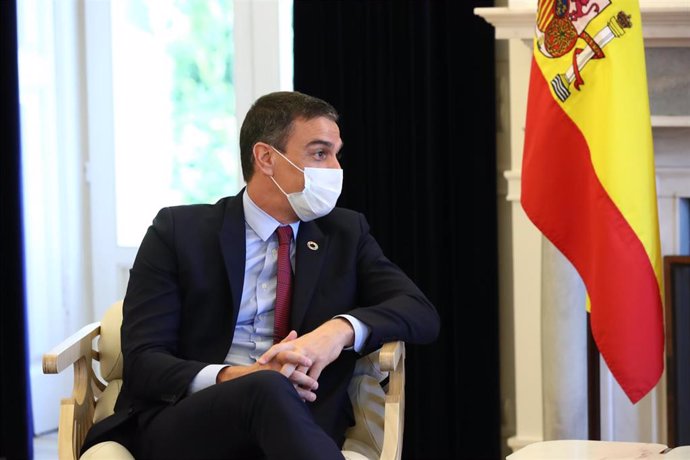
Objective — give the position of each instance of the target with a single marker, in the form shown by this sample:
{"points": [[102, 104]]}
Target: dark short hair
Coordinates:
{"points": [[270, 120]]}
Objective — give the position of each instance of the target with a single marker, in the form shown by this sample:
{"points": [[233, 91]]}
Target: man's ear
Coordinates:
{"points": [[263, 158]]}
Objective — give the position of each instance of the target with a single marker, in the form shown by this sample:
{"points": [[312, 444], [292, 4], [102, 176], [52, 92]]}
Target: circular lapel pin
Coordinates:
{"points": [[312, 245]]}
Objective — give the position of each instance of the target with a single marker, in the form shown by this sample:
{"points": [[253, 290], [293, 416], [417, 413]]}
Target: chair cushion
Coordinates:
{"points": [[350, 455], [369, 365], [368, 403], [109, 450], [109, 343], [105, 405]]}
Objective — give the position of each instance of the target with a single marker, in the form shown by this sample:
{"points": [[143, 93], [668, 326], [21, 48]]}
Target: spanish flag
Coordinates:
{"points": [[588, 174]]}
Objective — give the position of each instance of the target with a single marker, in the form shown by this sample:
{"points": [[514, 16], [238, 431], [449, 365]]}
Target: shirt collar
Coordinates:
{"points": [[262, 223]]}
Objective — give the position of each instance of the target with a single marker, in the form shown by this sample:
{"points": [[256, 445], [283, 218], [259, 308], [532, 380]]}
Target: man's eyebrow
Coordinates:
{"points": [[320, 142], [323, 142]]}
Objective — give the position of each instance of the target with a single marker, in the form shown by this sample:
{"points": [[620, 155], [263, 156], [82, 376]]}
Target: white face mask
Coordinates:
{"points": [[322, 188]]}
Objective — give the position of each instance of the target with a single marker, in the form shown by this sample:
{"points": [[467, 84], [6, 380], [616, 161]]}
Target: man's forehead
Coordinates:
{"points": [[319, 131]]}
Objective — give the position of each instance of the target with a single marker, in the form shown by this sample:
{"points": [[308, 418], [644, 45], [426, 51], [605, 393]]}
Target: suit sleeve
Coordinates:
{"points": [[151, 319], [389, 302]]}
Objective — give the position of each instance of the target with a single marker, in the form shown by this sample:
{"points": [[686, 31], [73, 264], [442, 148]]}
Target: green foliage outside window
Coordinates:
{"points": [[199, 42], [203, 99]]}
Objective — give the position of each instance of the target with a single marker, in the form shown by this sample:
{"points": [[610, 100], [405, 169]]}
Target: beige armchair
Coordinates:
{"points": [[379, 414]]}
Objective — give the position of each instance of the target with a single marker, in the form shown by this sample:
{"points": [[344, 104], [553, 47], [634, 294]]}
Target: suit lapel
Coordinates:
{"points": [[310, 253], [232, 238]]}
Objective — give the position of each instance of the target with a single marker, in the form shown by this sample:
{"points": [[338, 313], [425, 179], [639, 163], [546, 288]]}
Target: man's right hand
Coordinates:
{"points": [[291, 364]]}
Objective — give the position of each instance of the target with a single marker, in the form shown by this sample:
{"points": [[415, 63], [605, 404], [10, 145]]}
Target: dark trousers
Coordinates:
{"points": [[258, 416]]}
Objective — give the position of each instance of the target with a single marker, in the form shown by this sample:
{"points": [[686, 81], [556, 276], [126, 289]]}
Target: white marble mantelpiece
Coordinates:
{"points": [[665, 23]]}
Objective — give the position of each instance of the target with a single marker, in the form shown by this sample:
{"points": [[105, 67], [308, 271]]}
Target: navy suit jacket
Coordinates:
{"points": [[184, 293]]}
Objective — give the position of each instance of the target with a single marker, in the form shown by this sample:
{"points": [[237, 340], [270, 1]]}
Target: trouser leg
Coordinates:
{"points": [[256, 416]]}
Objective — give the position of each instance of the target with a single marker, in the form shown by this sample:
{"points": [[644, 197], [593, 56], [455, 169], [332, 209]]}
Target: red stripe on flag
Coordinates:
{"points": [[545, 14], [562, 195]]}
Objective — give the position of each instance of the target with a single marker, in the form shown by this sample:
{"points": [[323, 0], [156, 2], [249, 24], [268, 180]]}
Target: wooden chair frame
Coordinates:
{"points": [[76, 411]]}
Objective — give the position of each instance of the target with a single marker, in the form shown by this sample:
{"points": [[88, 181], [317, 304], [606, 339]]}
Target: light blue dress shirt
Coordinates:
{"points": [[254, 329]]}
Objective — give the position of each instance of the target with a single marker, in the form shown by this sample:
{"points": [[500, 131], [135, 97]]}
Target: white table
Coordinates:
{"points": [[599, 450]]}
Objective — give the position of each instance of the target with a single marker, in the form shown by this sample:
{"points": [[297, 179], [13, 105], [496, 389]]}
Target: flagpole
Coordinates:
{"points": [[593, 387]]}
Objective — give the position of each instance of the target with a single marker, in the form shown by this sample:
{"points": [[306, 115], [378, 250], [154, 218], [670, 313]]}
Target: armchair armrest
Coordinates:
{"points": [[390, 354], [392, 360], [76, 412], [71, 349]]}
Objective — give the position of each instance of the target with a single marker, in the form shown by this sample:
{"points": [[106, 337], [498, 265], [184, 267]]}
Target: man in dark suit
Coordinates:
{"points": [[211, 370]]}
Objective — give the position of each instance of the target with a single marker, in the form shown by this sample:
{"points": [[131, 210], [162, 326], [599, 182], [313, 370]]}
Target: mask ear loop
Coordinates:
{"points": [[287, 159], [279, 187]]}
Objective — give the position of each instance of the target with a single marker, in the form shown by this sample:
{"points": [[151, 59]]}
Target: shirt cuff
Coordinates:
{"points": [[362, 332], [205, 378]]}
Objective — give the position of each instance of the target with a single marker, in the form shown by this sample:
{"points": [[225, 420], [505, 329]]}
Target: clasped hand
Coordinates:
{"points": [[302, 359]]}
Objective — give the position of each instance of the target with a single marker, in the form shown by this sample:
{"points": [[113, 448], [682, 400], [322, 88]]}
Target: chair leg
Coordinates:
{"points": [[76, 413], [67, 424]]}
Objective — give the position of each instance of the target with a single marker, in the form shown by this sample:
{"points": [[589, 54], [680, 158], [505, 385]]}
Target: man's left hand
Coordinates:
{"points": [[322, 346]]}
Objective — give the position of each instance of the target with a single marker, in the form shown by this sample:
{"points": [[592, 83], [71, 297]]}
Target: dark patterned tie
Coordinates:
{"points": [[284, 285]]}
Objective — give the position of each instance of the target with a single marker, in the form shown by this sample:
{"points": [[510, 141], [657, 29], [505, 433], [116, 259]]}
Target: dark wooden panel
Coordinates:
{"points": [[677, 300]]}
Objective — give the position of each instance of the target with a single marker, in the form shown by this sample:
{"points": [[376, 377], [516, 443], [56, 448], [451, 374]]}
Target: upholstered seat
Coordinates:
{"points": [[378, 414]]}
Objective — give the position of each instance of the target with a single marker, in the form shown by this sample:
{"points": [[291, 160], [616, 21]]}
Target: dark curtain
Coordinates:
{"points": [[414, 84], [16, 430]]}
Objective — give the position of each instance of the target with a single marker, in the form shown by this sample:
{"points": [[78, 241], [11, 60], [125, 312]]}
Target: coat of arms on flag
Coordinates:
{"points": [[560, 23]]}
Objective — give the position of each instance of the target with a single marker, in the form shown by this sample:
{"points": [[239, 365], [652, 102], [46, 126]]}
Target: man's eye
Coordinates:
{"points": [[320, 155]]}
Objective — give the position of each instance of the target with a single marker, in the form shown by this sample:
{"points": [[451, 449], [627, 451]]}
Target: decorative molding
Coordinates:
{"points": [[501, 185], [514, 180], [509, 22], [666, 23], [670, 121]]}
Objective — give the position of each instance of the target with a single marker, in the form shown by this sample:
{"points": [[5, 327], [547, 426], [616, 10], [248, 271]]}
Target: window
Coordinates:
{"points": [[684, 226], [168, 84], [175, 129]]}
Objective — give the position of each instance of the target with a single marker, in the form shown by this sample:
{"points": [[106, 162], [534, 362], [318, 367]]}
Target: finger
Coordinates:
{"points": [[315, 370], [306, 395], [304, 381], [303, 369], [274, 350], [292, 335], [287, 369], [294, 357]]}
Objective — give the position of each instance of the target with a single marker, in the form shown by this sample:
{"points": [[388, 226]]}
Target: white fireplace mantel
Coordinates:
{"points": [[665, 23]]}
